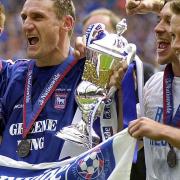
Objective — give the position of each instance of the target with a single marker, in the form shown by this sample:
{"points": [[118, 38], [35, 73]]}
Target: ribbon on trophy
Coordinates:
{"points": [[129, 96], [129, 99]]}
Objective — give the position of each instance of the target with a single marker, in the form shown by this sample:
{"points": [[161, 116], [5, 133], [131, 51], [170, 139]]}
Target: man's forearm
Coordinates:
{"points": [[171, 135], [144, 6]]}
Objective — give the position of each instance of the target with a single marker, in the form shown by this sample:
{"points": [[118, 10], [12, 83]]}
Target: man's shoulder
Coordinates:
{"points": [[8, 65], [22, 61], [154, 79], [20, 65]]}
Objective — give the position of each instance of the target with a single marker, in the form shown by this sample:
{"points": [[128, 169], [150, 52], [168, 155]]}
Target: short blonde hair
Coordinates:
{"points": [[63, 8], [114, 19], [2, 15], [175, 7]]}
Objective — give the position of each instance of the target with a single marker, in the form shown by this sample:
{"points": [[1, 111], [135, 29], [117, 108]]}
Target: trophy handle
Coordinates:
{"points": [[140, 82], [111, 91], [131, 49]]}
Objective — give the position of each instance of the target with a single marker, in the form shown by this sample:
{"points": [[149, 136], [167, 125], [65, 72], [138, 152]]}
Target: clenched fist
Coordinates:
{"points": [[143, 6]]}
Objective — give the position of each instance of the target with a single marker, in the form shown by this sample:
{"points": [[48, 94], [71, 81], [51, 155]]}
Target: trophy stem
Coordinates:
{"points": [[83, 133], [91, 118]]}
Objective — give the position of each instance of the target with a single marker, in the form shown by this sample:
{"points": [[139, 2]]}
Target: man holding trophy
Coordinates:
{"points": [[32, 116]]}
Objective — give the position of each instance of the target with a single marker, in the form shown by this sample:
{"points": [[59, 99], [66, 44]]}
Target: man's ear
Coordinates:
{"points": [[68, 23]]}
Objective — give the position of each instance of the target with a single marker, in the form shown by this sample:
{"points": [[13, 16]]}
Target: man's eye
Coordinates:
{"points": [[23, 17], [37, 17], [158, 20]]}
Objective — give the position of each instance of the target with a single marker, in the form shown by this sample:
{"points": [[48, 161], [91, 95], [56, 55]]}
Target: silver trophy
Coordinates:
{"points": [[105, 53]]}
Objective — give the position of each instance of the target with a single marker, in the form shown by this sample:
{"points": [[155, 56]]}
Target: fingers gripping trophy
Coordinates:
{"points": [[105, 53]]}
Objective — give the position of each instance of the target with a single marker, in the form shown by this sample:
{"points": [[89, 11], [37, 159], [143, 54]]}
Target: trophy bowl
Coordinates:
{"points": [[105, 53]]}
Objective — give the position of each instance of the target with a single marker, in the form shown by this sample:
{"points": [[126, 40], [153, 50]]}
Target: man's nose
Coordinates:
{"points": [[28, 25], [160, 27]]}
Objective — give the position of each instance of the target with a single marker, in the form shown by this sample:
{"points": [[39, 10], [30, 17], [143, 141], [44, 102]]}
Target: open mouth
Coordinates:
{"points": [[33, 40], [163, 45]]}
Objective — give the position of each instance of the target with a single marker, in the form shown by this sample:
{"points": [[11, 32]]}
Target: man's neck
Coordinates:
{"points": [[51, 61], [176, 68], [56, 57]]}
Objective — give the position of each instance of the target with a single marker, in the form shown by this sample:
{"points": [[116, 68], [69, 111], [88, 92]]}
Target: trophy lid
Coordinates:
{"points": [[112, 44]]}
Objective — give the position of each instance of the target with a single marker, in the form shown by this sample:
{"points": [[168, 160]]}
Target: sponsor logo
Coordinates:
{"points": [[48, 89], [29, 86], [18, 106], [35, 144], [38, 127]]}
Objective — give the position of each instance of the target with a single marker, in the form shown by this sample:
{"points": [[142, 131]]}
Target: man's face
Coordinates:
{"points": [[41, 28], [175, 34], [165, 54]]}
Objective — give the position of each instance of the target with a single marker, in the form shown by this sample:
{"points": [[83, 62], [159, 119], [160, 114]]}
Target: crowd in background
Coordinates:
{"points": [[140, 28]]}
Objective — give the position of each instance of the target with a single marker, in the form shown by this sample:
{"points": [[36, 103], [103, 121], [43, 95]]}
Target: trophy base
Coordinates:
{"points": [[74, 135]]}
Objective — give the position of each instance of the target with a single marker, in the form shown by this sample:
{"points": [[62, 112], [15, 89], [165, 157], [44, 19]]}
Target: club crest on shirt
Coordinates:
{"points": [[60, 100]]}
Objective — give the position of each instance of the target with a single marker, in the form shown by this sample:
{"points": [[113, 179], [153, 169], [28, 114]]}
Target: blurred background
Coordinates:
{"points": [[140, 28]]}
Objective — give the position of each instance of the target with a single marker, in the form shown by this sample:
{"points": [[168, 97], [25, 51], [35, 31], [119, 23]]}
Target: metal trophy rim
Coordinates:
{"points": [[103, 50]]}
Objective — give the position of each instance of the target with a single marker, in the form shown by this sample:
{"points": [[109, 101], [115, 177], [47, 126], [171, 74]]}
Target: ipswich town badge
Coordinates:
{"points": [[60, 101]]}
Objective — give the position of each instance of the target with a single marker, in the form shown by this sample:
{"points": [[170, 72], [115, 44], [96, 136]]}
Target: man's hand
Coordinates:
{"points": [[143, 6], [132, 6], [145, 127], [80, 47], [117, 76]]}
